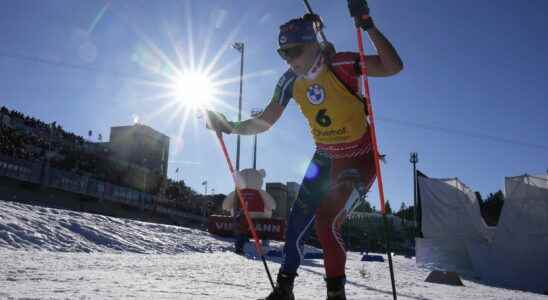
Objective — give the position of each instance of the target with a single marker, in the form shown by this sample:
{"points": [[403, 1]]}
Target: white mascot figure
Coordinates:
{"points": [[258, 202]]}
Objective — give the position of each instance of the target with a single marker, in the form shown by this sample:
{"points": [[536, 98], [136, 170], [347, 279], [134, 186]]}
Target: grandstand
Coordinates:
{"points": [[48, 157]]}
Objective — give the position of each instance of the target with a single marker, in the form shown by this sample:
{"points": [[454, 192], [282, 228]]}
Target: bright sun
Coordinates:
{"points": [[194, 90]]}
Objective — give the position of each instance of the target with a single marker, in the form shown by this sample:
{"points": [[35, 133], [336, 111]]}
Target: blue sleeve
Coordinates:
{"points": [[284, 89]]}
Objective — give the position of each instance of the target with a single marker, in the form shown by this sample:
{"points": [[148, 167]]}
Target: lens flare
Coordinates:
{"points": [[312, 171], [194, 90]]}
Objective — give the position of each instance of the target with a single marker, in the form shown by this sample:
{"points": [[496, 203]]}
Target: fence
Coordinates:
{"points": [[38, 172]]}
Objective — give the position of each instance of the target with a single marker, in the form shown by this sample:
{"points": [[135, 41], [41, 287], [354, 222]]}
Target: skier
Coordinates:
{"points": [[325, 86]]}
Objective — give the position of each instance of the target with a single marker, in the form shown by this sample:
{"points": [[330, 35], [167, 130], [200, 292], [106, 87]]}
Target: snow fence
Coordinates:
{"points": [[513, 254]]}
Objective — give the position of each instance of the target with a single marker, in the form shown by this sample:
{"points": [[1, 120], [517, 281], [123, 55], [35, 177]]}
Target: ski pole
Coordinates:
{"points": [[242, 204], [370, 116], [318, 27]]}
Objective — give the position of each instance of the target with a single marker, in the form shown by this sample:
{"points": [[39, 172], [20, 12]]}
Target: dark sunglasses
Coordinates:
{"points": [[292, 52]]}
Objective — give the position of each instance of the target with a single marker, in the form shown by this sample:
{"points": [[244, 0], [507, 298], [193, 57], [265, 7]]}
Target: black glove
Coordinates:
{"points": [[314, 19], [359, 10], [217, 122]]}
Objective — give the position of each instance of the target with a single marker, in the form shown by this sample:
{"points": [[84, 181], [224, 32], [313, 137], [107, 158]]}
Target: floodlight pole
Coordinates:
{"points": [[239, 46], [255, 113]]}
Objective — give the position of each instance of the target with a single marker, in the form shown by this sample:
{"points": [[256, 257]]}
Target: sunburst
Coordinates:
{"points": [[194, 90], [191, 83]]}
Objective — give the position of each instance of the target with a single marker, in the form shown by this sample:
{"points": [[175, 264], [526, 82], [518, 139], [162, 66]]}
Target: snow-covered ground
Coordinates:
{"points": [[56, 254]]}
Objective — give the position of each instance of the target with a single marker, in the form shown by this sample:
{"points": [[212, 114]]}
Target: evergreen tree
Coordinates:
{"points": [[492, 207], [402, 209], [478, 196], [406, 213], [364, 206], [387, 207]]}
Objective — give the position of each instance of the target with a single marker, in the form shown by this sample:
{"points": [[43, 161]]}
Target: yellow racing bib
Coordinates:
{"points": [[334, 114]]}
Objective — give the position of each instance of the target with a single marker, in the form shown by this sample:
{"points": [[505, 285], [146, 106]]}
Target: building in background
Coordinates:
{"points": [[279, 192], [142, 146], [146, 152], [292, 192], [285, 195]]}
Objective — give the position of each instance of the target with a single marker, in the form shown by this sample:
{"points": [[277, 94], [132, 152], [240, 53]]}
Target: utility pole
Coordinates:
{"points": [[204, 183], [414, 159]]}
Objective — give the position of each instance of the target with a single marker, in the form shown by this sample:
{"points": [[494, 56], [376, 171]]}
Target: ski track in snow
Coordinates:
{"points": [[56, 254]]}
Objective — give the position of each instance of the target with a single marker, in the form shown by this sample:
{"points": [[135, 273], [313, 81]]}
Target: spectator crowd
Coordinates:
{"points": [[27, 138]]}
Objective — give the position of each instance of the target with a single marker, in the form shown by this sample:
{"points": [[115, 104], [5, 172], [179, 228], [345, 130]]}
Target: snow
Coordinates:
{"points": [[55, 254]]}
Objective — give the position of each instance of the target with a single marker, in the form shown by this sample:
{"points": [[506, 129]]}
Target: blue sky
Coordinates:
{"points": [[471, 99]]}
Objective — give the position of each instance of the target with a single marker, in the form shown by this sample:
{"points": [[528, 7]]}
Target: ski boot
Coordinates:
{"points": [[335, 288], [284, 288]]}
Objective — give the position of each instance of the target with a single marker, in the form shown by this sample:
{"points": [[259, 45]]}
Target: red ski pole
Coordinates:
{"points": [[371, 121], [371, 117], [242, 204]]}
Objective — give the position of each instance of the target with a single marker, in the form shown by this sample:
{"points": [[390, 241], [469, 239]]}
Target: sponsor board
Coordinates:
{"points": [[272, 229]]}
